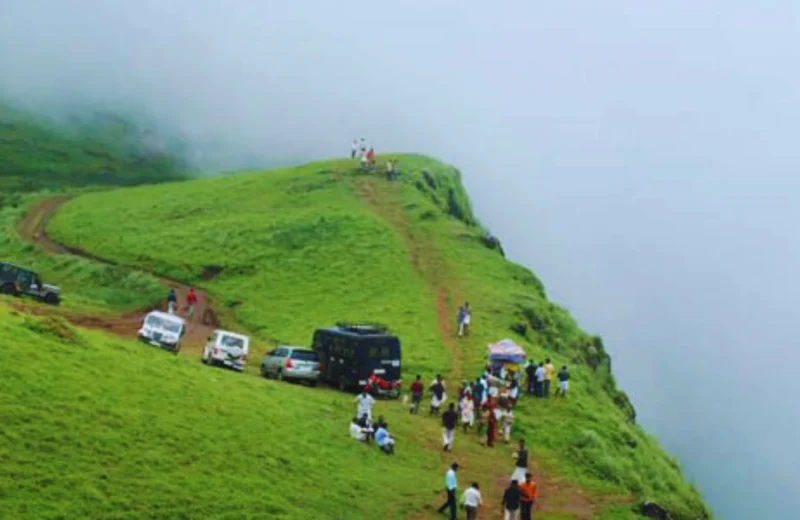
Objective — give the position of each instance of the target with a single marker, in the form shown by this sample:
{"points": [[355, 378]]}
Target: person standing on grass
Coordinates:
{"points": [[467, 318], [513, 393], [365, 403], [467, 412], [354, 149], [521, 466], [471, 500], [530, 372], [449, 422], [451, 485], [417, 388], [540, 380], [563, 382], [508, 420], [172, 300], [437, 394], [491, 421], [191, 302], [511, 501], [529, 494], [548, 375]]}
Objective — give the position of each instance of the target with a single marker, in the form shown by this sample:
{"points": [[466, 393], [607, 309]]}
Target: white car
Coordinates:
{"points": [[227, 349], [161, 329]]}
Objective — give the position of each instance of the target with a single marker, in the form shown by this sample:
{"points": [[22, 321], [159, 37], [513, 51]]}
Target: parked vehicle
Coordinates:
{"points": [[292, 364], [19, 281], [164, 330], [227, 349], [351, 354]]}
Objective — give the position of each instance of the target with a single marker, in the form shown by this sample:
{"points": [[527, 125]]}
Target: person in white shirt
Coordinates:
{"points": [[365, 404], [540, 373], [356, 431], [471, 500], [354, 149], [467, 412], [508, 420]]}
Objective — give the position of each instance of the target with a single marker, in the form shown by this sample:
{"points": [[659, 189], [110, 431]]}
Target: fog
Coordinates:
{"points": [[641, 157]]}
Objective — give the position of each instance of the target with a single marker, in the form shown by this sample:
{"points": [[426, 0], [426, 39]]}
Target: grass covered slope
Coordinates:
{"points": [[304, 247], [102, 149], [97, 427]]}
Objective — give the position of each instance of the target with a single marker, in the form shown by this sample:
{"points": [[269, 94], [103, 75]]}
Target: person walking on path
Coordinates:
{"points": [[191, 302], [563, 382], [417, 388], [472, 501], [451, 485], [172, 300], [540, 380], [511, 501], [460, 321], [508, 420], [438, 394], [449, 422], [530, 372], [521, 466], [467, 412], [548, 375], [528, 499], [365, 403]]}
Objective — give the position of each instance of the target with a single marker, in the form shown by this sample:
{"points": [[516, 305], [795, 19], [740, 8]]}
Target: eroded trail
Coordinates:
{"points": [[33, 227]]}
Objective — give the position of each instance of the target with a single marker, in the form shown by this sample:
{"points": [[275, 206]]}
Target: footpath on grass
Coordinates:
{"points": [[33, 228], [492, 469]]}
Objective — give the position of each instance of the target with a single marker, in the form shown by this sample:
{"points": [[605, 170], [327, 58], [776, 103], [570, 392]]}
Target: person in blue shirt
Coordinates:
{"points": [[383, 439], [451, 485]]}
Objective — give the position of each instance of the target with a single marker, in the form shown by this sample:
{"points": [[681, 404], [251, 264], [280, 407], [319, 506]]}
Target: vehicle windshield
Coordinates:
{"points": [[157, 322], [304, 355], [230, 341]]}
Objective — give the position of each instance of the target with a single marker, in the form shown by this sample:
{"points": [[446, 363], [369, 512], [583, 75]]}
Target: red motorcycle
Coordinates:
{"points": [[380, 387]]}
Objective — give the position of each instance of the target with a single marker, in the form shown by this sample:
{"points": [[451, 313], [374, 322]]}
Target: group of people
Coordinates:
{"points": [[363, 429], [366, 156], [191, 302], [539, 378], [518, 501]]}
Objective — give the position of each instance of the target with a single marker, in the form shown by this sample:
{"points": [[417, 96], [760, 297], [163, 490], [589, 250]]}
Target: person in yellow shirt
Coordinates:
{"points": [[548, 375]]}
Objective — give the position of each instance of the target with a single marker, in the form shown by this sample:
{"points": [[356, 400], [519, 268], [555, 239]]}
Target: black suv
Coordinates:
{"points": [[18, 281]]}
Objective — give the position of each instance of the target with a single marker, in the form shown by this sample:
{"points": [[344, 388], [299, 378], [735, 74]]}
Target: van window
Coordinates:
{"points": [[230, 341], [304, 355], [168, 325]]}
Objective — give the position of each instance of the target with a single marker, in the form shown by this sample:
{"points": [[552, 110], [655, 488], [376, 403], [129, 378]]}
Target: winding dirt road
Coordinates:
{"points": [[33, 228]]}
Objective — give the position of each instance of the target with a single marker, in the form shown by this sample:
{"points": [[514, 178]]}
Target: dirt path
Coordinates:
{"points": [[33, 228]]}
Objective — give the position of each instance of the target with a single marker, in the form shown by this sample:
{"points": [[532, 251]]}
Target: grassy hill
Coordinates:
{"points": [[101, 149], [299, 248]]}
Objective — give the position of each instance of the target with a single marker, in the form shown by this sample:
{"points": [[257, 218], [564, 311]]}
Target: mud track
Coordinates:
{"points": [[33, 228]]}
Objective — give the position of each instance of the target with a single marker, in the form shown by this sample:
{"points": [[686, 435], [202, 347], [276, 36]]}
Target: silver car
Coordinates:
{"points": [[291, 364]]}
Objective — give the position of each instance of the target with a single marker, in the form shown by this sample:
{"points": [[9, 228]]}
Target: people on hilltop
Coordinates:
{"points": [[417, 389], [529, 494], [172, 300], [191, 302], [511, 501], [472, 501], [391, 172], [438, 395], [449, 423], [354, 149], [548, 375], [563, 382], [451, 486], [365, 403], [371, 157], [383, 439]]}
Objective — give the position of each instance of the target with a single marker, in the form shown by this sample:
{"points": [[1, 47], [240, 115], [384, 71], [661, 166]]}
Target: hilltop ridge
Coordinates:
{"points": [[283, 252]]}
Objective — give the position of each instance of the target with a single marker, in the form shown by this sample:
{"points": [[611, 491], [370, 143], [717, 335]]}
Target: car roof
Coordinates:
{"points": [[351, 334], [15, 266], [166, 315], [229, 333]]}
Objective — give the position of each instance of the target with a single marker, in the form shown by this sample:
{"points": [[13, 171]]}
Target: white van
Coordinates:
{"points": [[227, 349], [164, 330]]}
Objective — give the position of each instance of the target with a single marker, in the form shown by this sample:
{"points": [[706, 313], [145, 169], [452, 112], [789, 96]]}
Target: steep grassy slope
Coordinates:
{"points": [[97, 427], [304, 247], [103, 149]]}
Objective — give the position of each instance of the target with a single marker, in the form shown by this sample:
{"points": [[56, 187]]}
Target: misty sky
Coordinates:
{"points": [[641, 157]]}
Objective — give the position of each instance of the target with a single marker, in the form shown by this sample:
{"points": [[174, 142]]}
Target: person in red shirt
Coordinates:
{"points": [[191, 301], [417, 388]]}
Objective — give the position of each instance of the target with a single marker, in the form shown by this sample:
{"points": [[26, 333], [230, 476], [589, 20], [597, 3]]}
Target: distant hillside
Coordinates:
{"points": [[101, 149], [290, 250]]}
